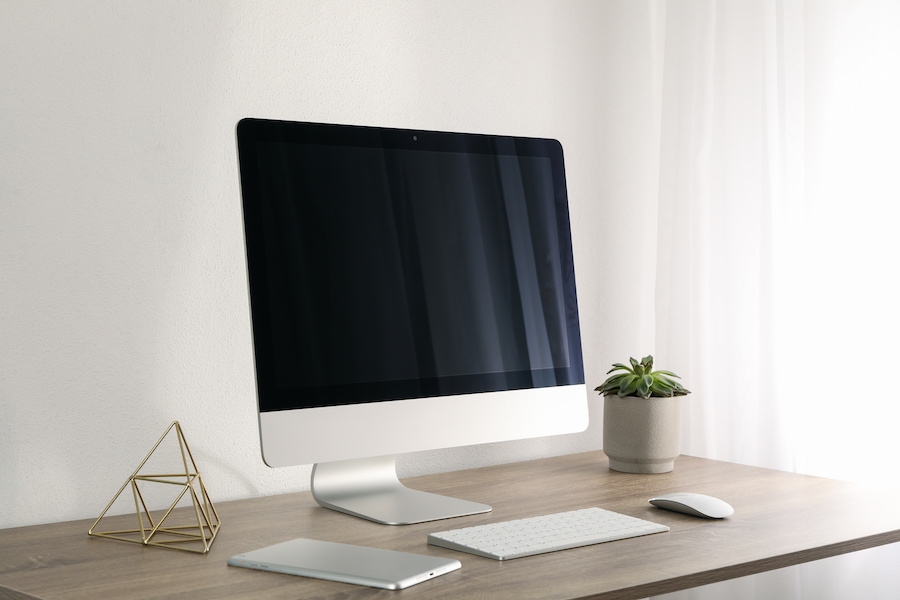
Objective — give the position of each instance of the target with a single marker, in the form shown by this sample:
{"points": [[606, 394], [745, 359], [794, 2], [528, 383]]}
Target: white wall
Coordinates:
{"points": [[123, 301]]}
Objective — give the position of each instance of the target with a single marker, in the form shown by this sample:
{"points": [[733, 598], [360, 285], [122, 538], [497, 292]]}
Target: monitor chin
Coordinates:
{"points": [[348, 432]]}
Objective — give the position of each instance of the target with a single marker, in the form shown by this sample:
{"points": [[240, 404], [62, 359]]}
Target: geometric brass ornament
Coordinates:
{"points": [[197, 536]]}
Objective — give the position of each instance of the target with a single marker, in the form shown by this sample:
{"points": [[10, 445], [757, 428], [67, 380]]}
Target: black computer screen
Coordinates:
{"points": [[389, 264]]}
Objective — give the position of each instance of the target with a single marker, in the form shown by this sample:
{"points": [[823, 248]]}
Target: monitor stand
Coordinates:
{"points": [[369, 488]]}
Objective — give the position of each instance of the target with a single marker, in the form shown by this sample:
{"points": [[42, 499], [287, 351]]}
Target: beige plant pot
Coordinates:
{"points": [[641, 435]]}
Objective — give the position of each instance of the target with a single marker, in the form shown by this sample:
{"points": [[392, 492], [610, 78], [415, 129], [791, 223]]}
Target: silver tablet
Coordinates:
{"points": [[360, 565]]}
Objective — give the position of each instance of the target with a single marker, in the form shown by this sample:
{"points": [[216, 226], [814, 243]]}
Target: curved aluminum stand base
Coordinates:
{"points": [[369, 488]]}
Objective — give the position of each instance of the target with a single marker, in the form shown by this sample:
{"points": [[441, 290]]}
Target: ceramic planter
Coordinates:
{"points": [[641, 435]]}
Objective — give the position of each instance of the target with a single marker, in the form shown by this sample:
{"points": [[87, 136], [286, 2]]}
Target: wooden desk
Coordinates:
{"points": [[780, 519]]}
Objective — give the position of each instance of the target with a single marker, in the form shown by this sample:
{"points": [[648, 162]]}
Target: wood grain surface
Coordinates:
{"points": [[780, 519]]}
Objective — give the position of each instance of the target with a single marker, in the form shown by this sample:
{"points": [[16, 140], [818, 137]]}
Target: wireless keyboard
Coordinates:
{"points": [[536, 535]]}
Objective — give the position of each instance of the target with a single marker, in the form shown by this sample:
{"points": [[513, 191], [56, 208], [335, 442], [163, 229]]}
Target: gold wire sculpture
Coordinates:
{"points": [[193, 537]]}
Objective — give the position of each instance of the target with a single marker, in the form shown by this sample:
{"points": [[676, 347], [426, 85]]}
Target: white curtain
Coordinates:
{"points": [[777, 284]]}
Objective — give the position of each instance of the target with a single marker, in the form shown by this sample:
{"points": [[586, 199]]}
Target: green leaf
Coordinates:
{"points": [[679, 390], [661, 391], [668, 381], [647, 361], [619, 367], [643, 387], [669, 373], [659, 384], [628, 385], [634, 363], [612, 383]]}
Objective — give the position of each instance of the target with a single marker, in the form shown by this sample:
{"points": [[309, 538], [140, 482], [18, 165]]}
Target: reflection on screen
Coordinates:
{"points": [[403, 265]]}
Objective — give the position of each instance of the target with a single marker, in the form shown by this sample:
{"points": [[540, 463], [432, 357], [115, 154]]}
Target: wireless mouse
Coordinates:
{"points": [[696, 505]]}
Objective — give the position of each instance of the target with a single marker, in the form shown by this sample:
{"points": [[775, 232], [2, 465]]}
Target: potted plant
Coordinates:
{"points": [[641, 417]]}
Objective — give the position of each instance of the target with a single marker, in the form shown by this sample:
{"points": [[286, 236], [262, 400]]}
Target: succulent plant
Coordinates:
{"points": [[641, 380]]}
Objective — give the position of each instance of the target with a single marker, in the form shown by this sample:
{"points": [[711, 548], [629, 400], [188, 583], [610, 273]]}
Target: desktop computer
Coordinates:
{"points": [[409, 290]]}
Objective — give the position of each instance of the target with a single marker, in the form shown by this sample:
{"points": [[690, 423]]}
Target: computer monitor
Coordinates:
{"points": [[409, 290]]}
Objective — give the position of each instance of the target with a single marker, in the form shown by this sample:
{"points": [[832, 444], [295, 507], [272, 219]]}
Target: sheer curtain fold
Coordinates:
{"points": [[721, 178], [777, 245]]}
